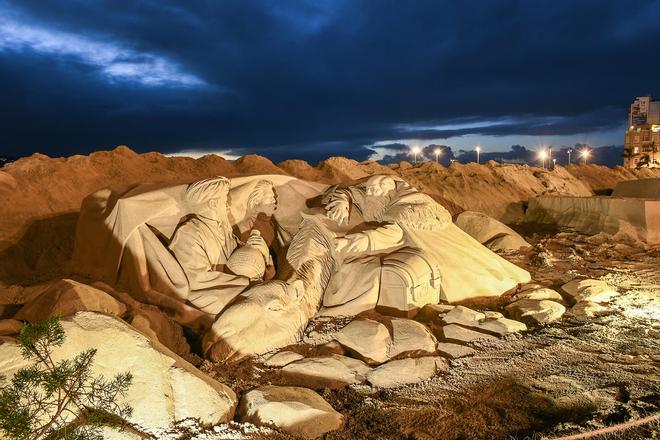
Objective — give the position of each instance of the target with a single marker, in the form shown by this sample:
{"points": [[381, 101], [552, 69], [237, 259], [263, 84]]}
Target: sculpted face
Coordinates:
{"points": [[266, 317], [380, 186]]}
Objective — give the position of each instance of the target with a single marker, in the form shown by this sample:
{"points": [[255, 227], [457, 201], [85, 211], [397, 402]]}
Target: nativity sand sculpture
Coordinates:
{"points": [[249, 261]]}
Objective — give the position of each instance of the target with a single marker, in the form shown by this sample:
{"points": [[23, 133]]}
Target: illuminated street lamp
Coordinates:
{"points": [[415, 151], [478, 149], [437, 152], [543, 154], [585, 155], [569, 155]]}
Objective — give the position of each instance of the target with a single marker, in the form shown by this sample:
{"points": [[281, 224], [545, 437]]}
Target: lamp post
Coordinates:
{"points": [[542, 155], [585, 155], [415, 151], [478, 149], [569, 155], [437, 152]]}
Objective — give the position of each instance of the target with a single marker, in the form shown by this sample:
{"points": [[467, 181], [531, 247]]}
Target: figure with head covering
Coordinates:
{"points": [[204, 244], [403, 219]]}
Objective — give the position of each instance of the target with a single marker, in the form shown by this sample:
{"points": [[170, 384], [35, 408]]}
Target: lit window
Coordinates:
{"points": [[636, 150]]}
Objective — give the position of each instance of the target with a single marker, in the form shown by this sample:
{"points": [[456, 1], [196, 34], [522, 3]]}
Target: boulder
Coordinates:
{"points": [[432, 312], [165, 387], [282, 358], [298, 411], [586, 309], [334, 371], [538, 294], [411, 338], [494, 323], [597, 291], [406, 371], [10, 327], [67, 297], [158, 326], [454, 351], [490, 232], [366, 339], [532, 311], [462, 335], [463, 316]]}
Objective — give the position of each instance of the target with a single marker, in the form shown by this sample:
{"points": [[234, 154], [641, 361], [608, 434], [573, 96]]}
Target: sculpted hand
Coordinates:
{"points": [[258, 242], [338, 211]]}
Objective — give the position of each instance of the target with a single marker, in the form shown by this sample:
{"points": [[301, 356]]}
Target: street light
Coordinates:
{"points": [[437, 152], [415, 150], [569, 155], [585, 155], [542, 155], [478, 150]]}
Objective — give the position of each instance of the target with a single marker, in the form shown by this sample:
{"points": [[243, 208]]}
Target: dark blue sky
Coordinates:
{"points": [[312, 79]]}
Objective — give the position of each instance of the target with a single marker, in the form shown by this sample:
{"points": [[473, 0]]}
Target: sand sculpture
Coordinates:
{"points": [[256, 257]]}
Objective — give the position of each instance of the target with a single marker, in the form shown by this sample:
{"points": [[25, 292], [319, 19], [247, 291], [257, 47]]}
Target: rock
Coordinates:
{"points": [[477, 320], [538, 294], [66, 297], [463, 316], [10, 327], [410, 337], [158, 326], [368, 340], [456, 333], [490, 232], [502, 326], [9, 310], [297, 411], [489, 314], [406, 371], [532, 311], [454, 351], [165, 387], [597, 291], [282, 358], [586, 309], [431, 312], [334, 371], [332, 347]]}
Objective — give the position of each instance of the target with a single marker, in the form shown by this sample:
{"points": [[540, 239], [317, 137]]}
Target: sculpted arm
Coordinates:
{"points": [[388, 236]]}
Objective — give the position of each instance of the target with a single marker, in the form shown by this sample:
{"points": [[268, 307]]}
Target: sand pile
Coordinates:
{"points": [[41, 196]]}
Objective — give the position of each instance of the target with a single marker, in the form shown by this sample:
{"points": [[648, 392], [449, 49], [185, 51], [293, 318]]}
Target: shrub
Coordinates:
{"points": [[49, 400]]}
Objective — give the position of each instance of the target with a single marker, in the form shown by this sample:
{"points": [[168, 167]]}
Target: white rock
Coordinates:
{"points": [[431, 312], [454, 351], [410, 337], [460, 334], [405, 371], [502, 326], [586, 309], [334, 371], [464, 316], [597, 291], [535, 312], [477, 320], [368, 339], [298, 411], [165, 387], [538, 294], [489, 314], [282, 358]]}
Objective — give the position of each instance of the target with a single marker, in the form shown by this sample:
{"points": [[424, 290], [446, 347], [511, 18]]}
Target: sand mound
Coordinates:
{"points": [[42, 195]]}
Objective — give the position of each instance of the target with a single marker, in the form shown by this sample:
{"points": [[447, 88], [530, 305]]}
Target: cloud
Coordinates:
{"points": [[115, 62], [312, 79]]}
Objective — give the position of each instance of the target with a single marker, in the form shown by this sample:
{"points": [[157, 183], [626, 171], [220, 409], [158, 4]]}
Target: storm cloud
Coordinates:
{"points": [[312, 79]]}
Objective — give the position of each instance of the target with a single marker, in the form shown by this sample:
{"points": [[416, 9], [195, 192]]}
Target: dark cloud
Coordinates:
{"points": [[313, 79]]}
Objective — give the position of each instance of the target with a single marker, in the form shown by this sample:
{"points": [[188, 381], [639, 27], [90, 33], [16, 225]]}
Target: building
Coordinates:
{"points": [[642, 139]]}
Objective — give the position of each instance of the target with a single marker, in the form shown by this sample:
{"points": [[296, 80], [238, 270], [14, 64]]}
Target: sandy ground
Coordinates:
{"points": [[563, 379]]}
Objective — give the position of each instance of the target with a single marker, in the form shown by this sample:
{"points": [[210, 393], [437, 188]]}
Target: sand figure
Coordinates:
{"points": [[205, 243], [410, 222]]}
